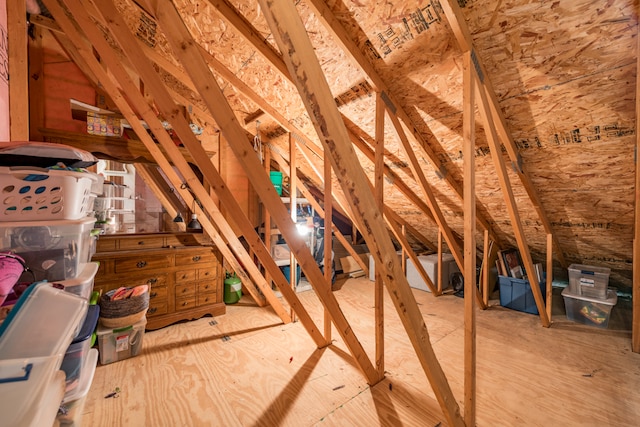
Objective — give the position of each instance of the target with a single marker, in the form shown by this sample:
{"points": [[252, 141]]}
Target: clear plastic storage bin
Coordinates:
{"points": [[70, 412], [53, 250], [37, 194], [122, 343], [42, 323], [589, 281], [588, 310], [74, 359], [83, 284]]}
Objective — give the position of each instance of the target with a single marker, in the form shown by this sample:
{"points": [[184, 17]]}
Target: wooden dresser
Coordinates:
{"points": [[184, 271]]}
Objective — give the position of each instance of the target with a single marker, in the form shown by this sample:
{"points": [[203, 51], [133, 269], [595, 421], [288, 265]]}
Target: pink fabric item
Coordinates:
{"points": [[10, 271]]}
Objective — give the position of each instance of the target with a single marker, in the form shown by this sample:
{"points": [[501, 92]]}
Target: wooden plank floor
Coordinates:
{"points": [[247, 369]]}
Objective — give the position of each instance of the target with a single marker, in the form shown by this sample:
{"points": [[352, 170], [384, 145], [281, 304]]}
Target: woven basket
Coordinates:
{"points": [[124, 307]]}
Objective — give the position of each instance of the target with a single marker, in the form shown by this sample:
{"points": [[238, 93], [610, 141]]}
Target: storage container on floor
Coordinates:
{"points": [[38, 194], [70, 413], [119, 344], [74, 359], [32, 390], [588, 310], [42, 323], [430, 265], [53, 250], [516, 294], [589, 281]]}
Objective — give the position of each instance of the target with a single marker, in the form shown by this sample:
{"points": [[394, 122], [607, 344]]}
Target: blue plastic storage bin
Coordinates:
{"points": [[516, 294]]}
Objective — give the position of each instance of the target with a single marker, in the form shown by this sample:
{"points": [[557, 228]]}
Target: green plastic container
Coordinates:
{"points": [[276, 180], [232, 289]]}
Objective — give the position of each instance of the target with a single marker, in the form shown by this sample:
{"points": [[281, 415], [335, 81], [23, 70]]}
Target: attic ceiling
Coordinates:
{"points": [[563, 74]]}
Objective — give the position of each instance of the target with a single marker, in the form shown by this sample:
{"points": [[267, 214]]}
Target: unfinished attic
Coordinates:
{"points": [[319, 212]]}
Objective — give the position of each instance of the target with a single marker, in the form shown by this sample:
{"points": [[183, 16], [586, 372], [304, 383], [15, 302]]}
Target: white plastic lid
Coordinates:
{"points": [[612, 297], [87, 273], [43, 322]]}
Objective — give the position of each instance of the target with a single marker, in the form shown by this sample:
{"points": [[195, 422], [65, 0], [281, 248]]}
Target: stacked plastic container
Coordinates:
{"points": [[46, 218], [588, 299]]}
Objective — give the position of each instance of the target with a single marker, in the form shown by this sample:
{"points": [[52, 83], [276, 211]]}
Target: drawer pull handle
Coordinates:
{"points": [[152, 281], [141, 242], [153, 294], [206, 286], [184, 290], [185, 303], [141, 264], [152, 310], [196, 258]]}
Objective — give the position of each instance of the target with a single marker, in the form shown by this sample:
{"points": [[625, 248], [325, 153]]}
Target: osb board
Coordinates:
{"points": [[564, 74]]}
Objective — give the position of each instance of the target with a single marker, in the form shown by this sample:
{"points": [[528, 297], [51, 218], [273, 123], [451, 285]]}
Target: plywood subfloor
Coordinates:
{"points": [[247, 369]]}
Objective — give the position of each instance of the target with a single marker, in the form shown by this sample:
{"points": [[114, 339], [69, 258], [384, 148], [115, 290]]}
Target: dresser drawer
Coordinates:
{"points": [[207, 299], [185, 290], [142, 263], [195, 258], [185, 276], [185, 303], [207, 287], [106, 245], [151, 279], [208, 273], [157, 308], [157, 293], [140, 242]]}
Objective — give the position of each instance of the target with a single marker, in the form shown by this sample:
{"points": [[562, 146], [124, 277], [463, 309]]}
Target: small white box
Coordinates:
{"points": [[430, 265]]}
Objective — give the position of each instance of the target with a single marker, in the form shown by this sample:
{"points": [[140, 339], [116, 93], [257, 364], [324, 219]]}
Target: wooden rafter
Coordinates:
{"points": [[507, 191], [190, 56], [333, 25], [83, 17], [284, 165], [18, 70], [463, 36], [292, 38], [468, 148], [247, 30], [378, 186], [635, 336]]}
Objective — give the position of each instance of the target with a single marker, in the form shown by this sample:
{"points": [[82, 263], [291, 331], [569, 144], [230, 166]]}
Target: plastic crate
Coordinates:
{"points": [[71, 408], [516, 294], [119, 344], [43, 322], [588, 310], [74, 359], [36, 194], [83, 284], [589, 281], [53, 250]]}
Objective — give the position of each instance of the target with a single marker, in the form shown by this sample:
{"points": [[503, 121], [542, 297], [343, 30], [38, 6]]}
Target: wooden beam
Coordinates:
{"points": [[82, 16], [470, 288], [549, 276], [18, 70], [510, 202], [635, 334], [462, 34], [293, 209], [328, 241], [188, 53], [333, 25], [427, 192], [36, 84], [291, 37], [378, 185], [314, 203]]}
